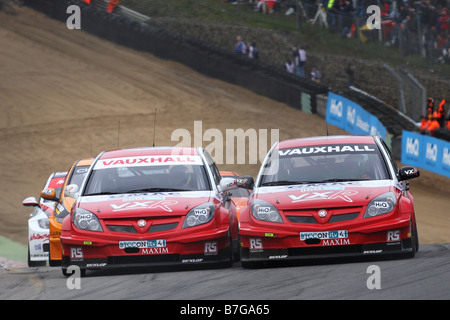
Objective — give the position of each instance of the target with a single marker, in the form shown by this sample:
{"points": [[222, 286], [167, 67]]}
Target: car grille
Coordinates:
{"points": [[337, 215], [128, 226]]}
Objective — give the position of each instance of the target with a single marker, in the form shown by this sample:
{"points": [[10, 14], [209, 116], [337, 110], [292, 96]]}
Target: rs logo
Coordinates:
{"points": [[393, 235], [255, 244], [211, 247], [76, 253]]}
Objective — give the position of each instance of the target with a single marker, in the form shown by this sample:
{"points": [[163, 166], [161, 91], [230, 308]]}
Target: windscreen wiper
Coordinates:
{"points": [[155, 190], [286, 182], [341, 180]]}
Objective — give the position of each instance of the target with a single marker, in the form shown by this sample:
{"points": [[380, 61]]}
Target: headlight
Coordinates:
{"points": [[380, 205], [85, 220], [265, 211], [199, 215], [43, 223]]}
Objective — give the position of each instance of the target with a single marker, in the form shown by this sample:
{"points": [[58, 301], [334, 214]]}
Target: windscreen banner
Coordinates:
{"points": [[426, 152], [351, 117]]}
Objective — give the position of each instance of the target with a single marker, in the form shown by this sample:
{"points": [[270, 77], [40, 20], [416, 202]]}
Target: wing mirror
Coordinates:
{"points": [[49, 194], [71, 191], [30, 202], [406, 173], [227, 184]]}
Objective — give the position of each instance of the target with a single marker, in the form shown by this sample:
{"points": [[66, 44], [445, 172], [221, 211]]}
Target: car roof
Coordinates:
{"points": [[325, 140], [149, 151], [85, 162]]}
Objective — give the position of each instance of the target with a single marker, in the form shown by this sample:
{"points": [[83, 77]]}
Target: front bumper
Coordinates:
{"points": [[260, 244], [54, 242], [94, 252], [38, 241]]}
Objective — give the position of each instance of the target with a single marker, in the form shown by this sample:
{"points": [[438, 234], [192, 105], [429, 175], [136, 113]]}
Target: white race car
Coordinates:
{"points": [[38, 225]]}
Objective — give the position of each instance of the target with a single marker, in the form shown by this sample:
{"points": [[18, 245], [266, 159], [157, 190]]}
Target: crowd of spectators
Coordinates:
{"points": [[436, 118], [417, 26]]}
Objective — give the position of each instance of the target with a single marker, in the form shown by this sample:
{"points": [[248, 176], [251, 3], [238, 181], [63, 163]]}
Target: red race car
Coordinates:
{"points": [[325, 197], [151, 206]]}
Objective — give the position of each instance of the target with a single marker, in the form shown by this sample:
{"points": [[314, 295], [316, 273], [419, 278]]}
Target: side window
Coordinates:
{"points": [[213, 167], [391, 157]]}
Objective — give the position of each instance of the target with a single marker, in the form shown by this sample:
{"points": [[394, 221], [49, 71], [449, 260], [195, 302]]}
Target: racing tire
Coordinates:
{"points": [[414, 240], [416, 236]]}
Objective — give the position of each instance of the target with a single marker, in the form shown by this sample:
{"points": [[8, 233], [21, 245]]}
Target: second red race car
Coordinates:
{"points": [[151, 206], [326, 197]]}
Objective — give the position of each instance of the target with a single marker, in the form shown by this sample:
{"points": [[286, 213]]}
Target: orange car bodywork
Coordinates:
{"points": [[63, 207]]}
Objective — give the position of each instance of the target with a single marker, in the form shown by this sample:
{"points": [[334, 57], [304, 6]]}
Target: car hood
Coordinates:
{"points": [[326, 195], [144, 205]]}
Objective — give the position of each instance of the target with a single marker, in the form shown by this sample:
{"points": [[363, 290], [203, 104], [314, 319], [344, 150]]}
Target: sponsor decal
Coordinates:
{"points": [[324, 235], [147, 161], [210, 248], [325, 150], [39, 236], [94, 265], [256, 245], [393, 235], [155, 250], [76, 253], [160, 243], [282, 256], [372, 251], [191, 260], [335, 242], [152, 204], [327, 195]]}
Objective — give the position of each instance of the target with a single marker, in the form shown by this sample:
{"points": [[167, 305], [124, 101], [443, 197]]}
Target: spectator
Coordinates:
{"points": [[350, 71], [241, 47], [444, 21], [316, 76], [301, 61], [347, 17], [289, 66], [253, 51], [295, 57]]}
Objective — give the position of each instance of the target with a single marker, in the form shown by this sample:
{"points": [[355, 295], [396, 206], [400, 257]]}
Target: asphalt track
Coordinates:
{"points": [[424, 277]]}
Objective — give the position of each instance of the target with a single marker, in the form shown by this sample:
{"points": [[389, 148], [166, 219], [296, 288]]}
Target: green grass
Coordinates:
{"points": [[317, 39]]}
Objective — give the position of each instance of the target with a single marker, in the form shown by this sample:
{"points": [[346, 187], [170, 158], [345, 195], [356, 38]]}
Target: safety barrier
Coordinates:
{"points": [[426, 152]]}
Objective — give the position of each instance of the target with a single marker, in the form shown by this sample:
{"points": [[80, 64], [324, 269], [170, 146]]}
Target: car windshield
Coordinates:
{"points": [[324, 163], [147, 178], [78, 175]]}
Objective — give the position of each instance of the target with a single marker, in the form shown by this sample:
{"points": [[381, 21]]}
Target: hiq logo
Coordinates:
{"points": [[336, 107], [351, 115], [431, 151], [412, 146], [446, 157]]}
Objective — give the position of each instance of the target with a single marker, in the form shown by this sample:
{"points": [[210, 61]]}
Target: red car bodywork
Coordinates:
{"points": [[330, 219], [149, 227]]}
